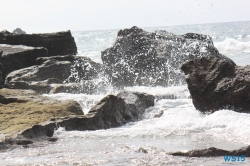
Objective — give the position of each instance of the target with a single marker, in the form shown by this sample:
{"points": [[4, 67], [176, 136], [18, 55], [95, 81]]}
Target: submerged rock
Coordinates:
{"points": [[214, 152], [216, 84], [18, 57], [111, 111], [59, 43], [153, 58]]}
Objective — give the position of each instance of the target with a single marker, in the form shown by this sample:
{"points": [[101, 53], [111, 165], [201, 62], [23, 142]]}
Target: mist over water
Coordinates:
{"points": [[147, 142]]}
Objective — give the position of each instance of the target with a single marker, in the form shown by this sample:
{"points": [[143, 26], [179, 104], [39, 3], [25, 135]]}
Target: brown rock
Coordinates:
{"points": [[215, 84]]}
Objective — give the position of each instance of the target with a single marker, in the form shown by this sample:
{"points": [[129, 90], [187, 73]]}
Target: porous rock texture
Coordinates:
{"points": [[216, 84], [21, 109], [59, 43], [146, 58]]}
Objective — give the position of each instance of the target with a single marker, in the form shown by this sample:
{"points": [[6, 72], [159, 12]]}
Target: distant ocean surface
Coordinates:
{"points": [[181, 127]]}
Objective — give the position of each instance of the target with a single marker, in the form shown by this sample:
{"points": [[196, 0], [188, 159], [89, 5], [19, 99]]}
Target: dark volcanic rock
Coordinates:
{"points": [[18, 57], [153, 58], [215, 84], [77, 74], [60, 43], [111, 111], [213, 152]]}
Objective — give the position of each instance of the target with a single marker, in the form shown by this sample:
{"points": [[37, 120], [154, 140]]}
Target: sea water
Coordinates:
{"points": [[147, 142]]}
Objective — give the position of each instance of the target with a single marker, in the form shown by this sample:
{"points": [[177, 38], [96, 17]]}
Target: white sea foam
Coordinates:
{"points": [[233, 46]]}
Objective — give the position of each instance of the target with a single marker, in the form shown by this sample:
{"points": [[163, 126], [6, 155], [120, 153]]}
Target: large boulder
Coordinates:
{"points": [[18, 57], [139, 57], [111, 111], [59, 43], [216, 84], [57, 74]]}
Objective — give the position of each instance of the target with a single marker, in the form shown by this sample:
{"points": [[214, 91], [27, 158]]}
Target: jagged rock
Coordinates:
{"points": [[153, 58], [213, 152], [51, 72], [59, 43], [111, 111], [21, 109], [18, 31], [18, 57], [216, 84]]}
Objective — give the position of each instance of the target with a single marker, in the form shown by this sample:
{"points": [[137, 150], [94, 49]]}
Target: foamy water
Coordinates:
{"points": [[147, 142]]}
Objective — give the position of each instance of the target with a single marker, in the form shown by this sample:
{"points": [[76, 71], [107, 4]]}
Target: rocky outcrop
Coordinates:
{"points": [[216, 84], [56, 74], [18, 57], [18, 31], [214, 152], [153, 58], [111, 111], [60, 43], [21, 109]]}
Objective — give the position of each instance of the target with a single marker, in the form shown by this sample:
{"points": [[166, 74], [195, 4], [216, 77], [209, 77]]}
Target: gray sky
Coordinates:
{"points": [[35, 16]]}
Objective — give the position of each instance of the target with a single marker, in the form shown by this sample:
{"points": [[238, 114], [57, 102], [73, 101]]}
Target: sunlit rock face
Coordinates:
{"points": [[146, 58]]}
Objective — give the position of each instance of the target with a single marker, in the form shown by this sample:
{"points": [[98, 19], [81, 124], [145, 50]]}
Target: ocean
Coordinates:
{"points": [[148, 141]]}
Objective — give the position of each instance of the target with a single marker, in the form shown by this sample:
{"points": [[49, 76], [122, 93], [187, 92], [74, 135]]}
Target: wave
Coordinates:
{"points": [[232, 46]]}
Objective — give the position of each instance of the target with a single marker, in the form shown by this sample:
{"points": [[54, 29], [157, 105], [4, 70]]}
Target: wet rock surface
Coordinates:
{"points": [[57, 74], [111, 111], [146, 58], [59, 43], [215, 84], [214, 152]]}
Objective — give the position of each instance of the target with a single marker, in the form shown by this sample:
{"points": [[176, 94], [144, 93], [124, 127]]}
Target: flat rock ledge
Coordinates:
{"points": [[216, 84], [58, 43], [111, 111]]}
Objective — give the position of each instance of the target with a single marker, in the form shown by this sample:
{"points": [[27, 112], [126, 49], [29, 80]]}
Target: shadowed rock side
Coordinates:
{"points": [[18, 57], [215, 84], [214, 152], [57, 74], [153, 58], [59, 43], [111, 111]]}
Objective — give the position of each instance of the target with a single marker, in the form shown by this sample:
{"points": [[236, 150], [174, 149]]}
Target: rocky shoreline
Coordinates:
{"points": [[34, 64]]}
